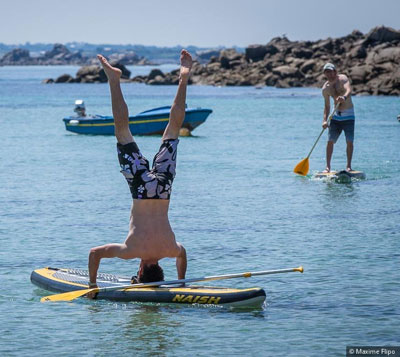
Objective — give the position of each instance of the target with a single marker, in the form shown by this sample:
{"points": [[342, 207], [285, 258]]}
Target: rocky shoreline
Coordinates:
{"points": [[61, 55], [372, 62]]}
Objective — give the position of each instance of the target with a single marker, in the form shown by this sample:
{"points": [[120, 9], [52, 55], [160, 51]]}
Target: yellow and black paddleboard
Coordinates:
{"points": [[341, 176], [65, 280]]}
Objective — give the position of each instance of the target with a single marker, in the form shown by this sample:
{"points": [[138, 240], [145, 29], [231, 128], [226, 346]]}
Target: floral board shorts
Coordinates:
{"points": [[143, 182]]}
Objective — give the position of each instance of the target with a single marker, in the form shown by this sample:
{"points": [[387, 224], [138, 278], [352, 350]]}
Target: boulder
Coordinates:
{"points": [[382, 34], [139, 79], [270, 79], [205, 56], [228, 56], [308, 66], [358, 52], [125, 58], [58, 50], [255, 53], [287, 71], [155, 73], [301, 52], [91, 74], [65, 78], [391, 54], [213, 67], [325, 45], [359, 74]]}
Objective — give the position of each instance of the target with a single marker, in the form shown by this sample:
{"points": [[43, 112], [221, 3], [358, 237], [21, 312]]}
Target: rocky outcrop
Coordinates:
{"points": [[17, 57], [89, 74], [371, 61], [61, 55], [205, 55]]}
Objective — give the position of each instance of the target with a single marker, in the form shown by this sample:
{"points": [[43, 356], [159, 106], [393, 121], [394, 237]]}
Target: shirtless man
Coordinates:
{"points": [[150, 236], [338, 87]]}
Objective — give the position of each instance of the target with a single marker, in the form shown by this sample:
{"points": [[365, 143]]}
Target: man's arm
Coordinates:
{"points": [[327, 108], [181, 262], [347, 87], [112, 250]]}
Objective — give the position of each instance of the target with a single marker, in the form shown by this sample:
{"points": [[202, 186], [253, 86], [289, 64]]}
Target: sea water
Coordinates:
{"points": [[236, 206]]}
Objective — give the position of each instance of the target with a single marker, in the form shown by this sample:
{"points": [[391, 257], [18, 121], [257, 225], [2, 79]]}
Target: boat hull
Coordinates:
{"points": [[147, 123], [65, 280]]}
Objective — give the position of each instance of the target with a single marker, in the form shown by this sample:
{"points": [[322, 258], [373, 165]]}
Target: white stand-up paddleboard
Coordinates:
{"points": [[341, 176]]}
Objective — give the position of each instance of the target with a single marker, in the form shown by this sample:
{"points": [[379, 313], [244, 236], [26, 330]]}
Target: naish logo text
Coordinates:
{"points": [[193, 299]]}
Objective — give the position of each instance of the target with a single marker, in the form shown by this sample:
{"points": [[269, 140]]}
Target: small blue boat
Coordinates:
{"points": [[149, 122]]}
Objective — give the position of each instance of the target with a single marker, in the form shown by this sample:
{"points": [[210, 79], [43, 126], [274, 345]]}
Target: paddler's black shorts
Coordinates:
{"points": [[143, 182]]}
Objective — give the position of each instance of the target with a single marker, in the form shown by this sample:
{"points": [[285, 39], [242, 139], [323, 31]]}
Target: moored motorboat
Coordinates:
{"points": [[149, 122]]}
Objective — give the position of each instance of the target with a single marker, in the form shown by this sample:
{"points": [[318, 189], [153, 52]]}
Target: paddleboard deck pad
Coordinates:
{"points": [[64, 280], [341, 176]]}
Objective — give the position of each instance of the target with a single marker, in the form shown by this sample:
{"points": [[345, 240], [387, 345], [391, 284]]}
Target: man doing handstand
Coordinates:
{"points": [[150, 236]]}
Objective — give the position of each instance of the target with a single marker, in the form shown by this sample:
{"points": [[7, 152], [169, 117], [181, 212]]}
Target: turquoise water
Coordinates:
{"points": [[236, 206]]}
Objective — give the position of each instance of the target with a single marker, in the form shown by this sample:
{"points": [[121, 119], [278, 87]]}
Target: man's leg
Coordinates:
{"points": [[348, 128], [334, 133], [329, 151], [349, 152], [177, 115], [119, 107]]}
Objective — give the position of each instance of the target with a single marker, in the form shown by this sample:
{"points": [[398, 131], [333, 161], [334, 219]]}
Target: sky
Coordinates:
{"points": [[203, 23]]}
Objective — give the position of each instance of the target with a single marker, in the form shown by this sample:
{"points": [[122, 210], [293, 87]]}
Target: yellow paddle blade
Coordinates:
{"points": [[302, 167], [71, 295]]}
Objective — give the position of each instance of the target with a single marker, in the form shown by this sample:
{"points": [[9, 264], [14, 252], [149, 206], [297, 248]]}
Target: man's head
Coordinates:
{"points": [[150, 272], [330, 71]]}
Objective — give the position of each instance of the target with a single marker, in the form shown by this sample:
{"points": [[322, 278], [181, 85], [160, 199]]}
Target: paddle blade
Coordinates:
{"points": [[302, 167], [71, 295]]}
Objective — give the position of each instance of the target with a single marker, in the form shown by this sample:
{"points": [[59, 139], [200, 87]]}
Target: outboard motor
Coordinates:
{"points": [[80, 109]]}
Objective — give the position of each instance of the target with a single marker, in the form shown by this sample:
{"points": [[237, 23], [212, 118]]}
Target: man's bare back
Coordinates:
{"points": [[150, 234]]}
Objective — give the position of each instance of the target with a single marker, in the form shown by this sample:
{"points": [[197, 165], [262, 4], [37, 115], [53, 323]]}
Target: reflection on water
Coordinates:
{"points": [[336, 192], [142, 328], [154, 326]]}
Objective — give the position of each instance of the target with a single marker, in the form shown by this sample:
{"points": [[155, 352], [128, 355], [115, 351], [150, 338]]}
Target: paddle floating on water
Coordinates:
{"points": [[71, 295], [303, 166]]}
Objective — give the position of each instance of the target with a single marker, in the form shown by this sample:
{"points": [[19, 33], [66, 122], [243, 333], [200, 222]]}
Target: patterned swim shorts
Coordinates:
{"points": [[143, 182]]}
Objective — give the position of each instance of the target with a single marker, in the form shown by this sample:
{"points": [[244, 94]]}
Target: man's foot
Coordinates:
{"points": [[186, 64], [112, 73], [327, 170], [348, 169]]}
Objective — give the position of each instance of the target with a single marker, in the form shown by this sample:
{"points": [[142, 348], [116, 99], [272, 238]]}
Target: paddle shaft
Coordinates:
{"points": [[77, 293], [322, 131], [206, 278]]}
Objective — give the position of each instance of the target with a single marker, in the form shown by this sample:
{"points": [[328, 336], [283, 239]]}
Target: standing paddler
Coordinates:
{"points": [[150, 237], [338, 87]]}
